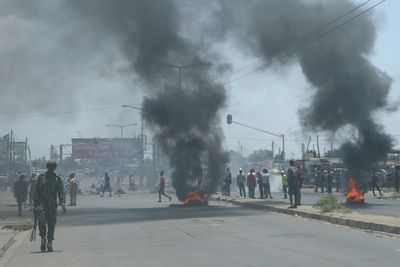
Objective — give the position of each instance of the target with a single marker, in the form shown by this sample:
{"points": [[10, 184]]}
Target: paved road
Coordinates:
{"points": [[134, 230], [372, 204]]}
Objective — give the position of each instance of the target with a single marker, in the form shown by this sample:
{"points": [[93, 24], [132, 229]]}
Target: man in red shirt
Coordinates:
{"points": [[161, 187], [251, 183]]}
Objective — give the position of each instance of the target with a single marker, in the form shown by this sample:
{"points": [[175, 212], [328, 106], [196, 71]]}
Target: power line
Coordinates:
{"points": [[296, 49], [57, 113], [303, 39]]}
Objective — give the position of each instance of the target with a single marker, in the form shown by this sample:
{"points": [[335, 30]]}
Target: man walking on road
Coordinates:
{"points": [[374, 182], [73, 189], [251, 183], [49, 186], [20, 192], [161, 187], [107, 184], [293, 183], [241, 181]]}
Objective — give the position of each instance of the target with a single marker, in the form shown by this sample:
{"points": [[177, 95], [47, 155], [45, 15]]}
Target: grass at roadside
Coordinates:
{"points": [[330, 203]]}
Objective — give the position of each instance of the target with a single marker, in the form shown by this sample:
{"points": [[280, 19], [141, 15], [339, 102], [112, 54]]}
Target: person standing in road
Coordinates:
{"points": [[324, 179], [317, 179], [397, 178], [338, 177], [161, 188], [284, 184], [374, 182], [32, 188], [251, 183], [48, 187], [329, 182], [107, 184], [20, 192], [227, 182], [260, 184], [293, 184], [241, 181], [73, 188], [266, 183]]}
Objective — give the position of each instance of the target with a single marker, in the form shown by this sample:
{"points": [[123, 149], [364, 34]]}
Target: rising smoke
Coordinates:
{"points": [[184, 118], [68, 38], [348, 88]]}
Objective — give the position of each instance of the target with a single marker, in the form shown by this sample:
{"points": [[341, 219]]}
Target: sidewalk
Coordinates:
{"points": [[10, 223], [365, 221]]}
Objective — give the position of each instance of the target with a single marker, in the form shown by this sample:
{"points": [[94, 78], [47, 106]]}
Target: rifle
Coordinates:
{"points": [[35, 221]]}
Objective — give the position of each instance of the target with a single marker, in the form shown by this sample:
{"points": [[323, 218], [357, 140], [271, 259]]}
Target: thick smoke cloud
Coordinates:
{"points": [[183, 119], [348, 88], [54, 45]]}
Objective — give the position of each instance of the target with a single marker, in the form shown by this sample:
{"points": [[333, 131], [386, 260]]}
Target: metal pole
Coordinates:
{"points": [[283, 147], [180, 77], [61, 156]]}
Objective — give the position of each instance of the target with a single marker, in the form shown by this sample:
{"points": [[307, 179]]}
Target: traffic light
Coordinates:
{"points": [[229, 119]]}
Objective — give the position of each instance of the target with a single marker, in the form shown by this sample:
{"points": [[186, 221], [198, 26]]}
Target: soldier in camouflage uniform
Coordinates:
{"points": [[48, 187]]}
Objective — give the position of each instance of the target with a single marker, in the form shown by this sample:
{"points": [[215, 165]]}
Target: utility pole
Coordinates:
{"points": [[61, 156], [272, 148], [181, 67], [319, 155], [142, 148], [121, 127]]}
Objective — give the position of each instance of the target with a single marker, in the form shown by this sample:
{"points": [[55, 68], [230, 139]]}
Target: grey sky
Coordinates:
{"points": [[267, 99]]}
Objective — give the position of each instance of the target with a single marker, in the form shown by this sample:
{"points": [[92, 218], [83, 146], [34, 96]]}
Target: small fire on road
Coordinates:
{"points": [[195, 198], [354, 195]]}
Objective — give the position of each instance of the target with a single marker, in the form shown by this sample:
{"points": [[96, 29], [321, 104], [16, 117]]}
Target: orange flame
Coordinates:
{"points": [[353, 194], [194, 197]]}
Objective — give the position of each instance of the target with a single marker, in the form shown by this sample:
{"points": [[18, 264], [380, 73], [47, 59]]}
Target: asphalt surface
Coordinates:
{"points": [[373, 205], [134, 230]]}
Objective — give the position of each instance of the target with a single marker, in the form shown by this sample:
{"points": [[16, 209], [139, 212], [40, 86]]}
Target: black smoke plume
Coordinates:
{"points": [[184, 118], [348, 88]]}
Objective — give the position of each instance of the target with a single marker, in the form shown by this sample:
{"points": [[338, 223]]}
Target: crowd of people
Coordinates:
{"points": [[326, 181], [291, 184], [24, 190]]}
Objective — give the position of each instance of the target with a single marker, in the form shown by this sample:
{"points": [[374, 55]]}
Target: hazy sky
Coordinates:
{"points": [[268, 99]]}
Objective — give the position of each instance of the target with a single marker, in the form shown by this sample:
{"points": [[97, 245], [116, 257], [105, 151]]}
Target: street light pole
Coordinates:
{"points": [[181, 67], [230, 121], [121, 127], [142, 137]]}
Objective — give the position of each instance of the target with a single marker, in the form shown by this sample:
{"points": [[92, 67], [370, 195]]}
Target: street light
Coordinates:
{"points": [[121, 127], [180, 67], [142, 129], [142, 137], [229, 120]]}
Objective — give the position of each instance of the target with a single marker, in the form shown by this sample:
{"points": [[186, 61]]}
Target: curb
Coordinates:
{"points": [[363, 225]]}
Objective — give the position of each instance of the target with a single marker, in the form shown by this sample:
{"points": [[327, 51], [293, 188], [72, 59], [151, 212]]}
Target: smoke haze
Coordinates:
{"points": [[53, 48]]}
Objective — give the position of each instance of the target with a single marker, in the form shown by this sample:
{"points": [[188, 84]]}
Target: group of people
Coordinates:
{"points": [[291, 184], [252, 180], [45, 193], [324, 181]]}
